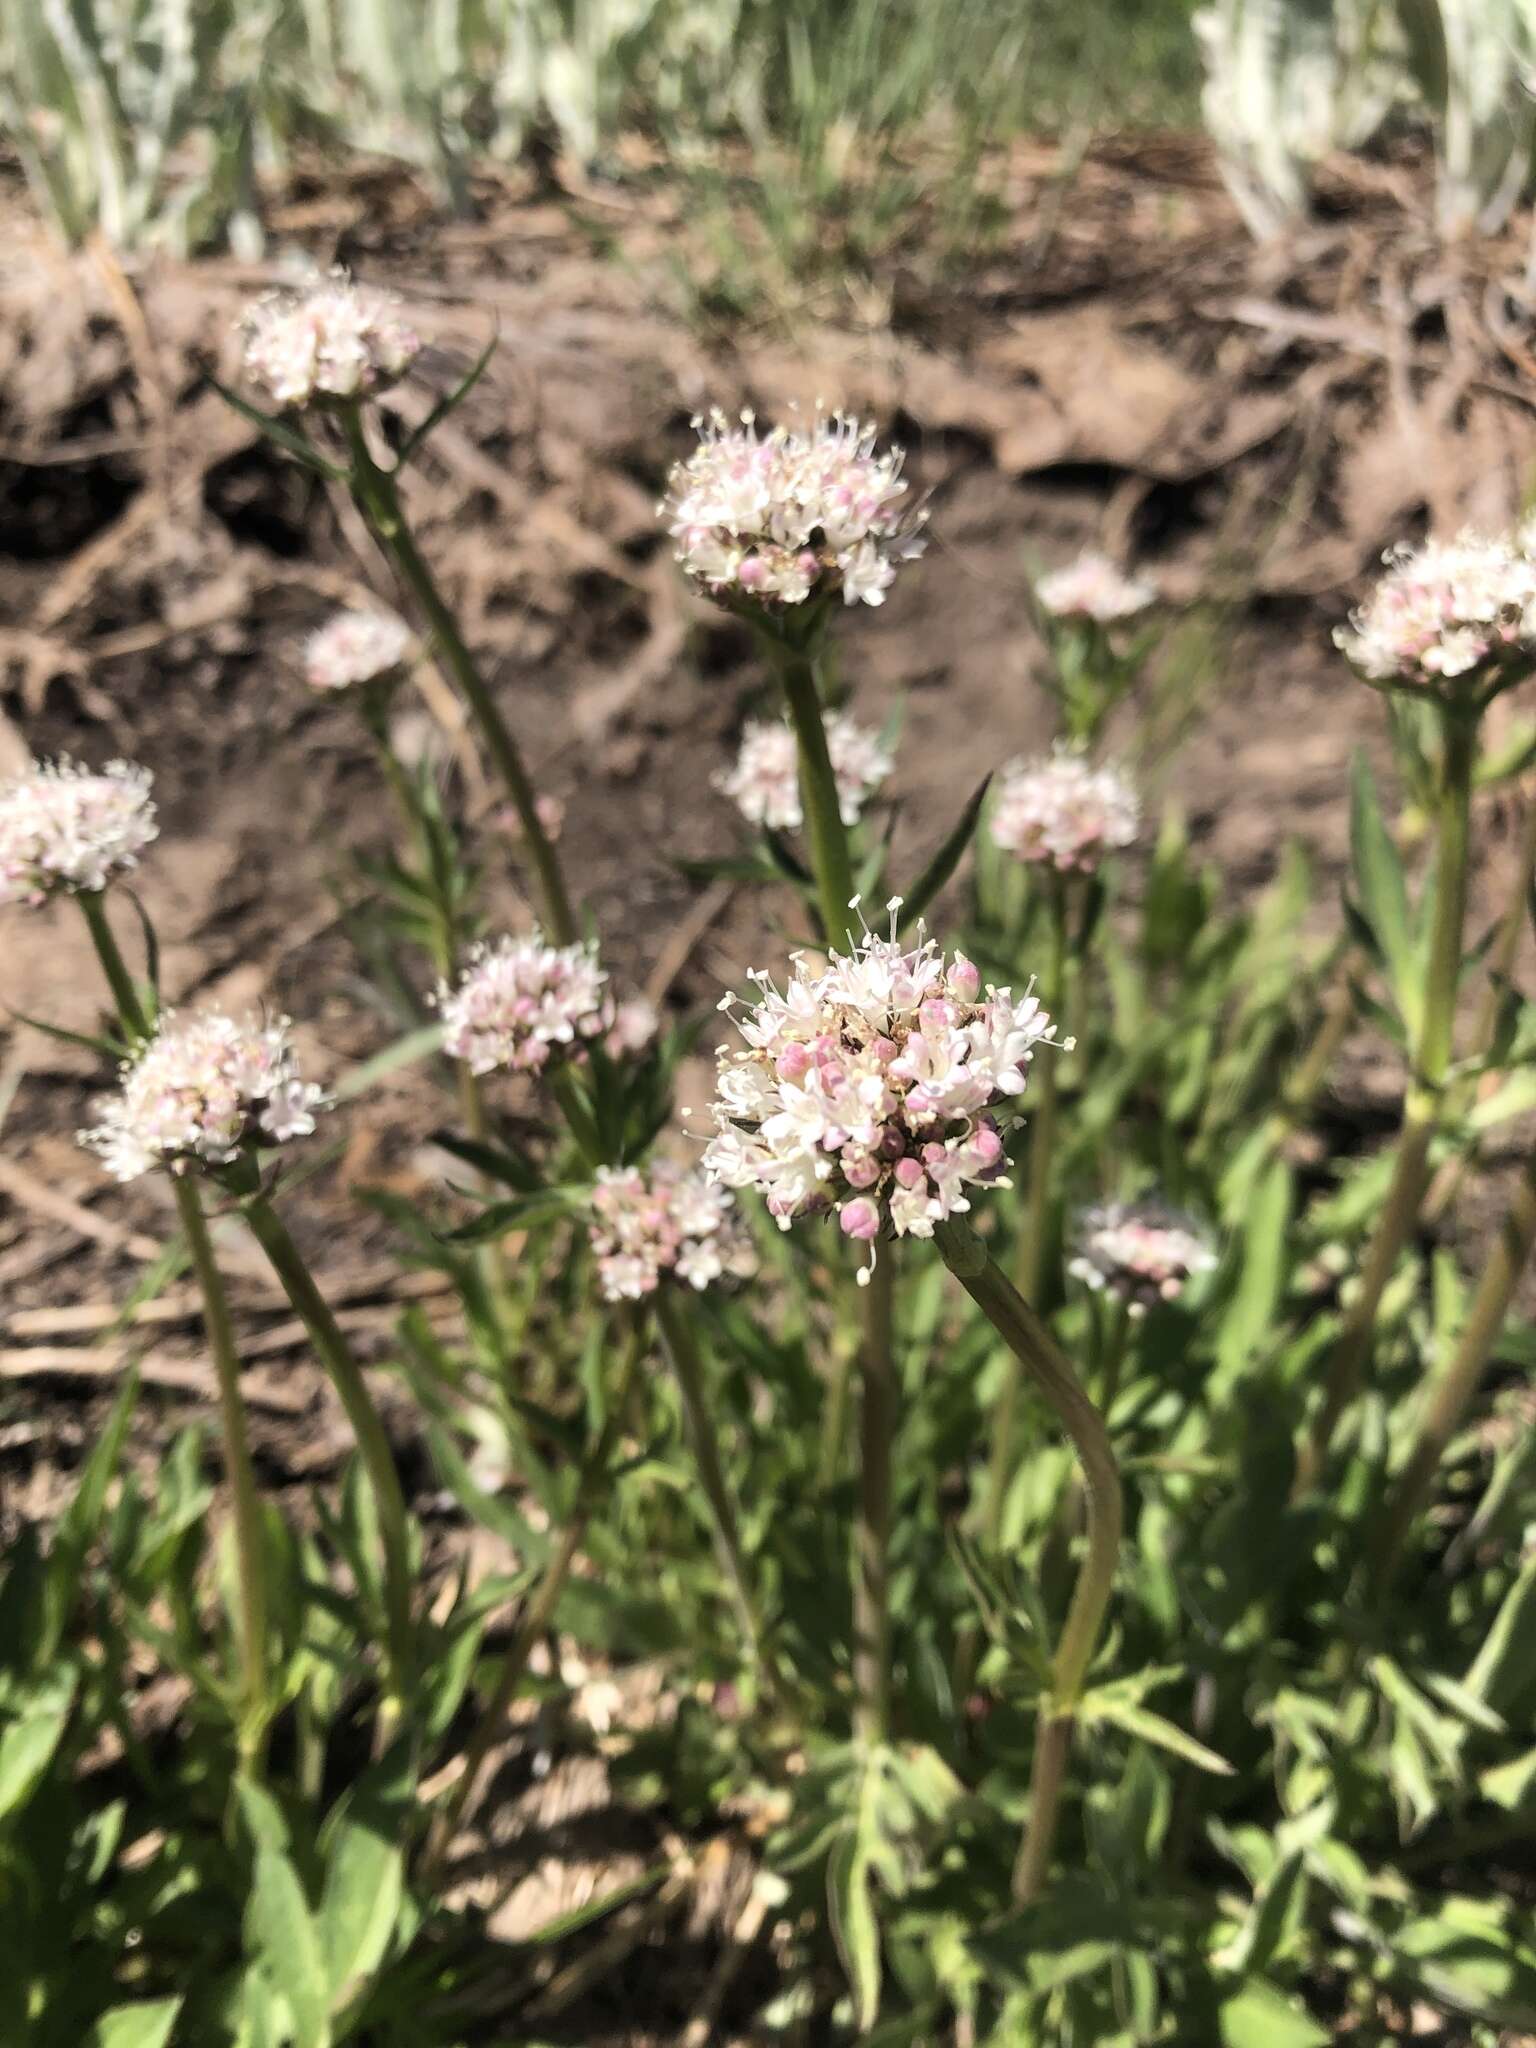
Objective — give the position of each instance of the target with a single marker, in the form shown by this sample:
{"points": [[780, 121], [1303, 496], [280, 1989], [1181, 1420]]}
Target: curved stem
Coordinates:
{"points": [[1046, 1365], [872, 1556], [379, 502], [826, 835], [125, 995], [681, 1347], [346, 1376], [250, 1558], [535, 1618], [1449, 1398], [1432, 1057]]}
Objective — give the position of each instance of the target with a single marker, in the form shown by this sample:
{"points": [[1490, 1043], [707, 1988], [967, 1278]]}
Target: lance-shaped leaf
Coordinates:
{"points": [[418, 437], [945, 861]]}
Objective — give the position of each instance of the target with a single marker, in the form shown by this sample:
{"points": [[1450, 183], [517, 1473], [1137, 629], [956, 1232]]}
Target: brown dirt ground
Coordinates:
{"points": [[1123, 366]]}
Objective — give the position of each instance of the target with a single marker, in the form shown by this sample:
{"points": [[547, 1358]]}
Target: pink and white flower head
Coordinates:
{"points": [[648, 1226], [1064, 814], [764, 784], [523, 1005], [874, 1086], [1091, 587], [1455, 619], [775, 518], [635, 1025], [1141, 1252], [199, 1092], [65, 828], [331, 341], [355, 647]]}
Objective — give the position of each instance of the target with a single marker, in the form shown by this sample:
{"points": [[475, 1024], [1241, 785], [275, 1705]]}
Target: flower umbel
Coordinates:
{"points": [[522, 1004], [1454, 618], [203, 1088], [649, 1225], [1091, 587], [873, 1086], [355, 647], [334, 340], [764, 783], [1142, 1252], [66, 828], [1063, 813], [775, 517]]}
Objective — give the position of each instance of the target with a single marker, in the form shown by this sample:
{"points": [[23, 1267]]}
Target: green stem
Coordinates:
{"points": [[125, 995], [1045, 1364], [346, 1375], [681, 1347], [535, 1618], [826, 835], [379, 502], [250, 1559], [872, 1562], [1432, 1057], [1449, 1398]]}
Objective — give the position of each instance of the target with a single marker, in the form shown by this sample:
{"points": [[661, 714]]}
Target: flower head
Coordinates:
{"points": [[204, 1087], [332, 340], [521, 1004], [1091, 587], [65, 828], [1142, 1252], [775, 517], [355, 647], [635, 1023], [648, 1225], [1453, 618], [873, 1086], [764, 784], [1063, 813]]}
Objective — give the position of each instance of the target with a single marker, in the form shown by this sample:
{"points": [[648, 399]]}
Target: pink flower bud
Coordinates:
{"points": [[792, 1062], [860, 1219], [964, 980], [909, 1172]]}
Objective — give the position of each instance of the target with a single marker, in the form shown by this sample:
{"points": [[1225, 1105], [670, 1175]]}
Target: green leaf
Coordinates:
{"points": [[364, 1878], [405, 1052], [29, 1735], [945, 861], [280, 434], [446, 404], [81, 1520], [496, 1219], [854, 1927], [135, 2026], [103, 1048], [1149, 1727], [1261, 2016], [285, 1945], [1379, 884]]}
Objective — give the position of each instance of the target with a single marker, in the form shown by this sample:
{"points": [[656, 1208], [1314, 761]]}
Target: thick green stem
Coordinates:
{"points": [[826, 835], [1432, 1057], [681, 1347], [379, 501], [872, 1558], [250, 1556], [346, 1376], [535, 1619], [1045, 1364], [1448, 1399], [125, 995]]}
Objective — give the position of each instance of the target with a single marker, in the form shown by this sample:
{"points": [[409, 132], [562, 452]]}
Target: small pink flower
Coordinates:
{"points": [[66, 829], [860, 1219]]}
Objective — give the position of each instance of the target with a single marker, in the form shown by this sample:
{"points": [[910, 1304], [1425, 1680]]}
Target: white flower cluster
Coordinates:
{"points": [[1460, 613], [648, 1225], [776, 517], [521, 1004], [1091, 587], [199, 1091], [636, 1022], [333, 340], [764, 784], [1063, 813], [67, 828], [355, 647], [870, 1086], [1142, 1252]]}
